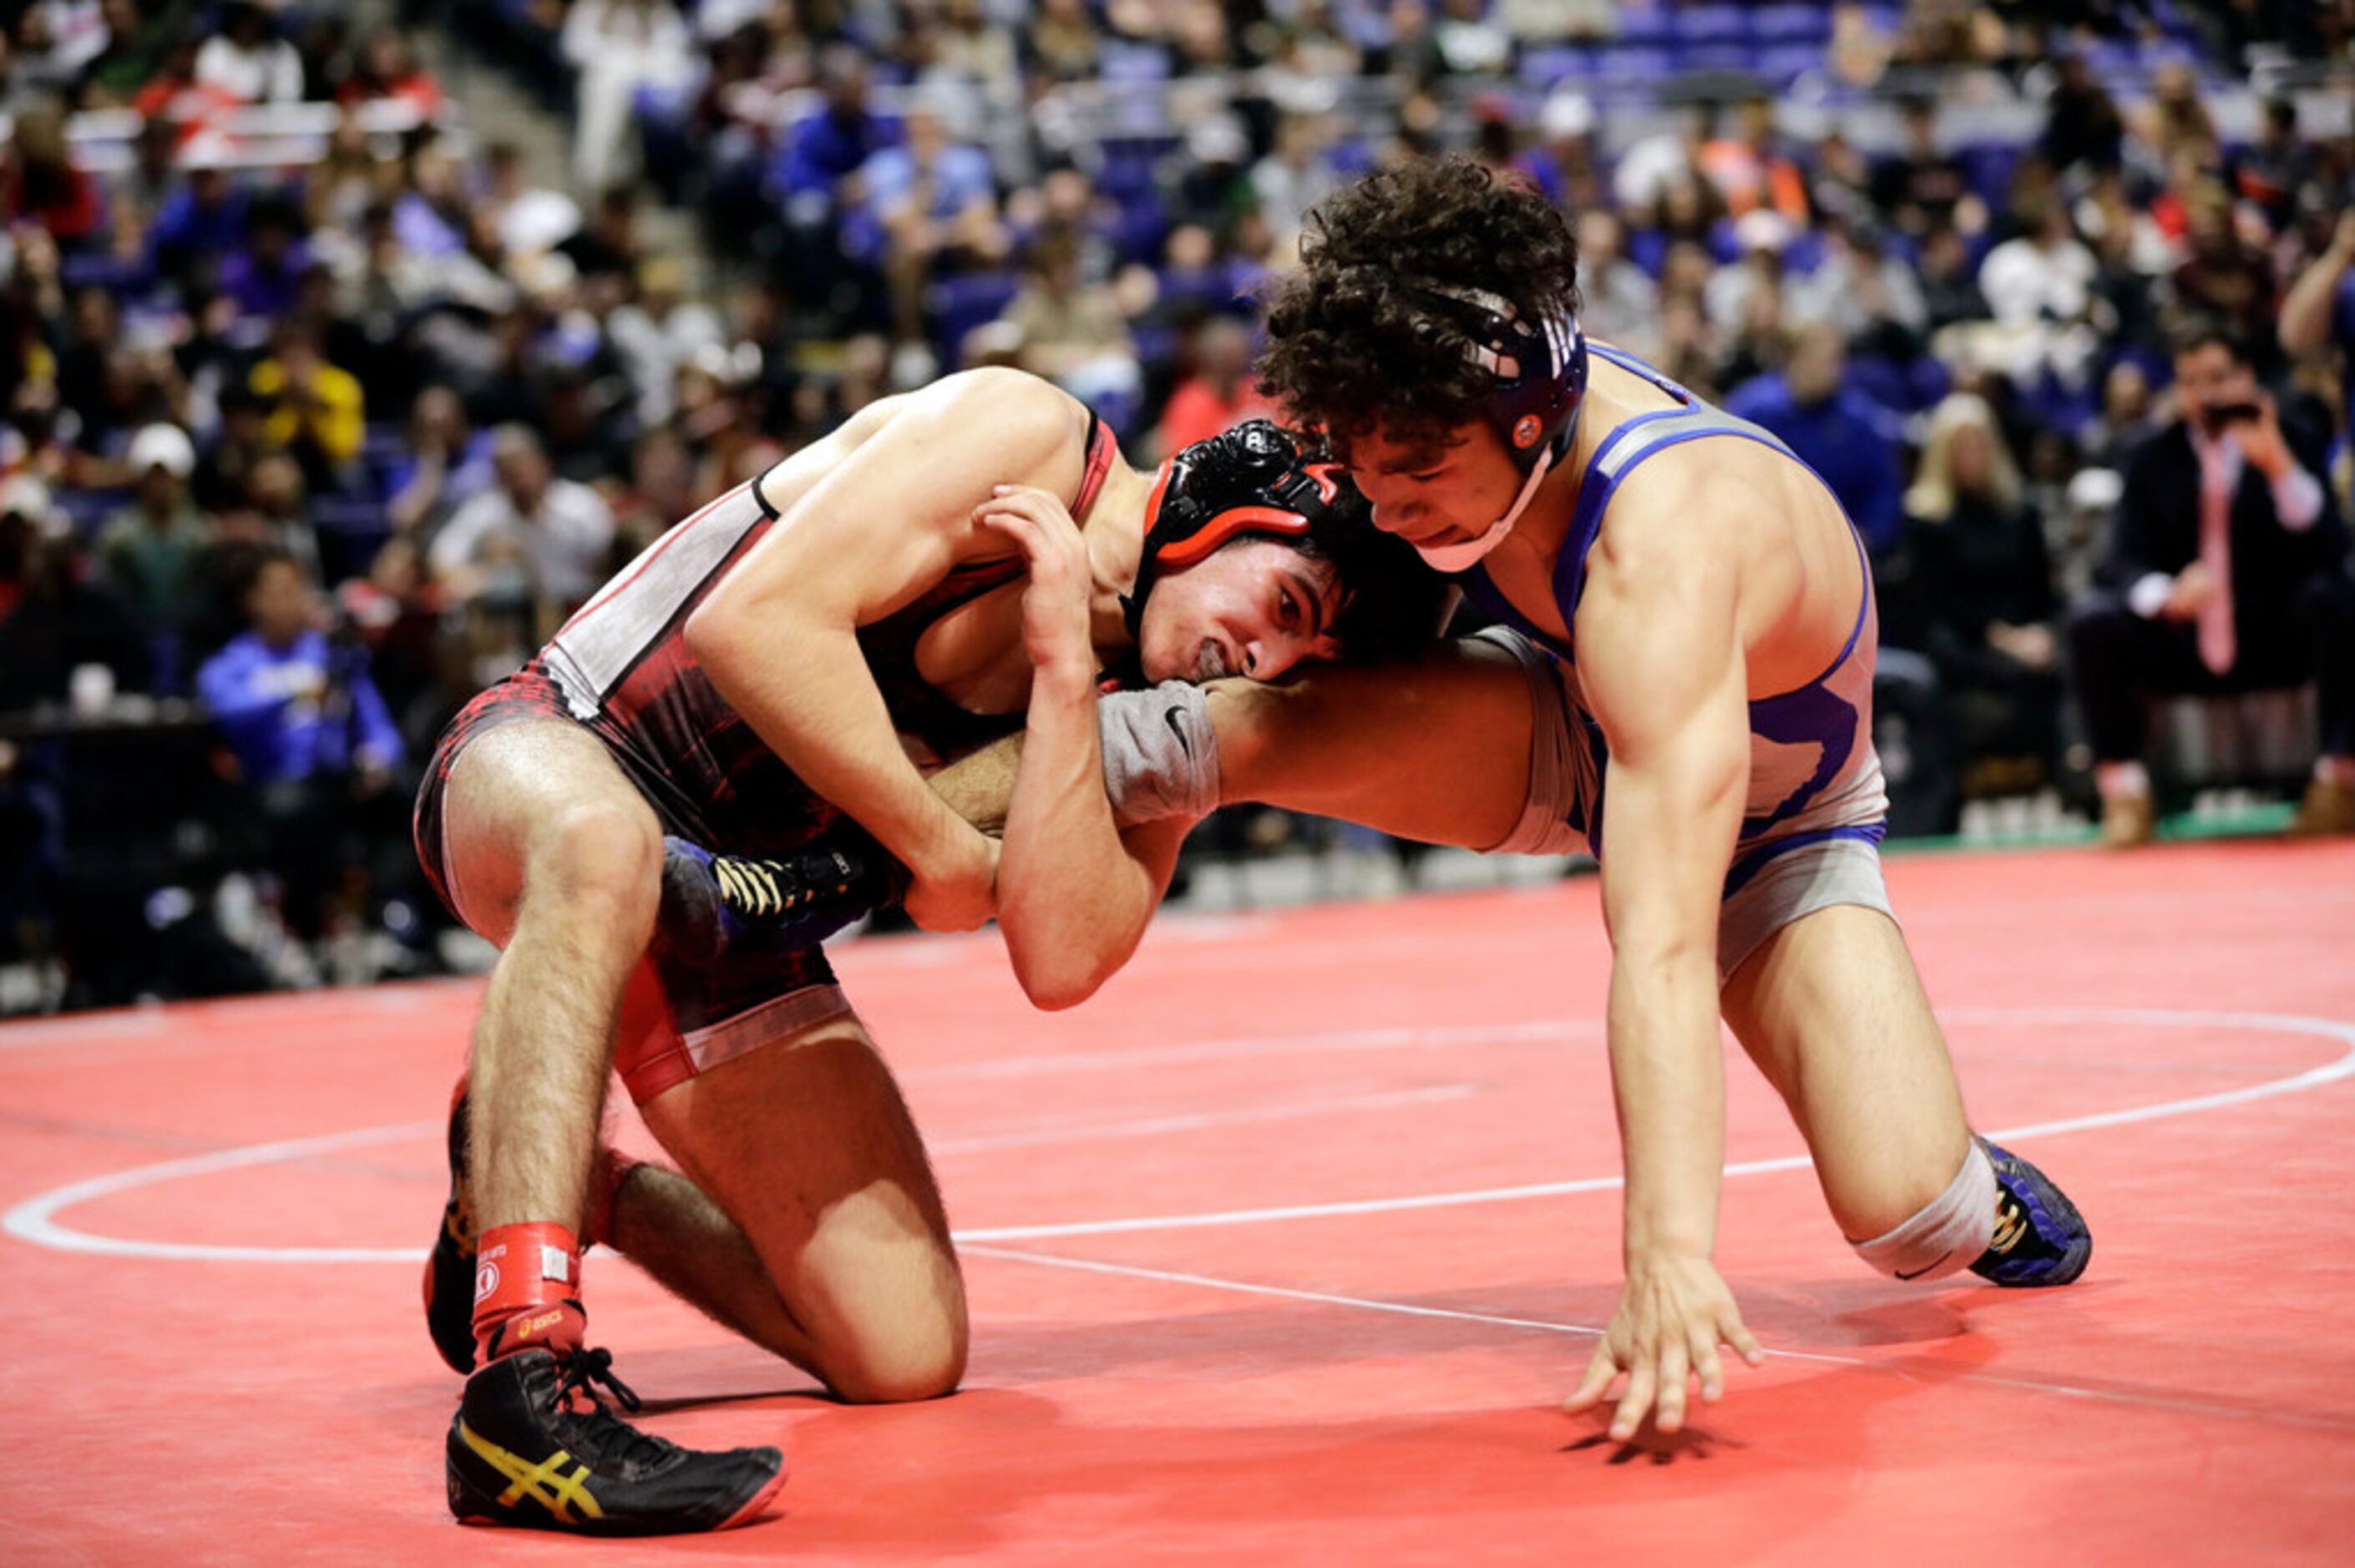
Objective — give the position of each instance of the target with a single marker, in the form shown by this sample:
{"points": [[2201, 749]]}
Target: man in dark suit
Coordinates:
{"points": [[2227, 572]]}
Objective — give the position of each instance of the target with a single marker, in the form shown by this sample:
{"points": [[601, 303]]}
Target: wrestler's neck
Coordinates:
{"points": [[1544, 526], [1114, 530]]}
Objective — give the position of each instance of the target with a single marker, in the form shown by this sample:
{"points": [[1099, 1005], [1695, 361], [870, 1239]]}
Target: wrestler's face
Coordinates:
{"points": [[1436, 493], [1255, 608]]}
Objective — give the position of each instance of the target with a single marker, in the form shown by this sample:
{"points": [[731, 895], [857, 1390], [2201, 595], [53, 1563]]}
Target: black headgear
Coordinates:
{"points": [[1540, 366], [1253, 479]]}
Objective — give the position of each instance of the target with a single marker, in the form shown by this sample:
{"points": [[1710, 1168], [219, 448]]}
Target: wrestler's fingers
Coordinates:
{"points": [[1705, 1362], [1676, 1371], [1643, 1380], [1591, 1388], [1732, 1331]]}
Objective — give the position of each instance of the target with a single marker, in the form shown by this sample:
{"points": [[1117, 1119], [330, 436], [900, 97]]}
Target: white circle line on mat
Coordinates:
{"points": [[35, 1219]]}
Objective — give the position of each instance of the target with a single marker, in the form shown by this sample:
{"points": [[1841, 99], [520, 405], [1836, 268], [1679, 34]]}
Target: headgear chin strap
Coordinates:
{"points": [[1540, 374]]}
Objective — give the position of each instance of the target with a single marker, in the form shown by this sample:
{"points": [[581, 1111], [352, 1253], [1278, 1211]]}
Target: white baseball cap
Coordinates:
{"points": [[167, 447]]}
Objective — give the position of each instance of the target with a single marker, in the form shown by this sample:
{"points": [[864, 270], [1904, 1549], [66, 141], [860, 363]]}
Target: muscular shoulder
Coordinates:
{"points": [[1039, 430], [1677, 514]]}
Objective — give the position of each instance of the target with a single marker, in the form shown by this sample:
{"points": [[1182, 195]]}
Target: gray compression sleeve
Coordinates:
{"points": [[1160, 754]]}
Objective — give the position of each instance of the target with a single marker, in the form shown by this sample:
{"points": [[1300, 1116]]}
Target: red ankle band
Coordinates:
{"points": [[528, 1289]]}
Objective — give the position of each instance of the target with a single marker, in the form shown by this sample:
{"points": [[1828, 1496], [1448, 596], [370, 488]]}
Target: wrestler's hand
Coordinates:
{"points": [[1672, 1316], [955, 887], [1055, 626]]}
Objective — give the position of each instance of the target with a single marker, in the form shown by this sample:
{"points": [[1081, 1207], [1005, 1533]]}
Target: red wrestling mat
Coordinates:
{"points": [[1281, 1251]]}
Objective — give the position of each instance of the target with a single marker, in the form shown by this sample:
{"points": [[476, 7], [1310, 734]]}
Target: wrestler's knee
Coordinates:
{"points": [[603, 860], [912, 1354]]}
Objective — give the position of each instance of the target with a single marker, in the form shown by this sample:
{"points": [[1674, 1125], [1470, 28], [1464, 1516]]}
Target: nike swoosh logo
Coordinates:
{"points": [[1925, 1268], [1176, 723]]}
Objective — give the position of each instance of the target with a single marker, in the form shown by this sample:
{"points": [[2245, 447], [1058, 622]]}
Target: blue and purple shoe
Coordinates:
{"points": [[2040, 1238], [721, 906]]}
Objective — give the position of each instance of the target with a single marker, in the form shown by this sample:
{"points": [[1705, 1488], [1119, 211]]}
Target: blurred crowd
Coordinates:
{"points": [[321, 411]]}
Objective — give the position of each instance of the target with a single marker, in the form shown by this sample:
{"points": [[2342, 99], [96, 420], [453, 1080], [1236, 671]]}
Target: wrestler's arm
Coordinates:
{"points": [[1074, 893], [1660, 656], [1435, 748], [779, 635]]}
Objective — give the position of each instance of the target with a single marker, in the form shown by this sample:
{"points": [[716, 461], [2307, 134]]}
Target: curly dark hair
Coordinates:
{"points": [[1350, 347]]}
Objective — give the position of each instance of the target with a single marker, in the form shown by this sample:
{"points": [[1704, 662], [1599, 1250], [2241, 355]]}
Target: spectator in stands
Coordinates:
{"points": [[40, 183], [387, 72], [533, 219], [1950, 287], [201, 222], [317, 411], [2225, 277], [1296, 174], [56, 617], [2319, 309], [2082, 121], [1983, 581], [247, 59], [1838, 431], [265, 274], [934, 204], [315, 746], [617, 45], [1747, 164], [1618, 302], [1216, 391], [1922, 187], [1873, 298], [154, 551], [2125, 422], [2038, 288], [1073, 332], [1063, 40], [2227, 572], [446, 464], [531, 537]]}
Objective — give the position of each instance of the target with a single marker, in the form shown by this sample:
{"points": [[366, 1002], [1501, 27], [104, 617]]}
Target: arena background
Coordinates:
{"points": [[364, 283]]}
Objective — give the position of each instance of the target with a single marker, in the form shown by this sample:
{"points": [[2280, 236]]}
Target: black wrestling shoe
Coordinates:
{"points": [[2040, 1238], [718, 906], [534, 1447], [449, 1266]]}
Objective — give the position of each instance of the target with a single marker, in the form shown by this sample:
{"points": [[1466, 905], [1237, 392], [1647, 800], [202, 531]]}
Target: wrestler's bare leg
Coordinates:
{"points": [[808, 1218], [1436, 749], [554, 857], [1832, 1012]]}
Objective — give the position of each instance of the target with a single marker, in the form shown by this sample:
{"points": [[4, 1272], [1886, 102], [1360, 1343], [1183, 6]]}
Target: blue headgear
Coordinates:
{"points": [[1540, 372]]}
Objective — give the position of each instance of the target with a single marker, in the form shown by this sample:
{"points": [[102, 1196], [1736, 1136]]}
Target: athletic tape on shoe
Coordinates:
{"points": [[1947, 1234], [1160, 754], [1556, 752]]}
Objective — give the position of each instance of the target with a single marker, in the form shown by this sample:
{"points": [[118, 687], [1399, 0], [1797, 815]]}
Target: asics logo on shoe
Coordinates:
{"points": [[2010, 1226], [545, 1483]]}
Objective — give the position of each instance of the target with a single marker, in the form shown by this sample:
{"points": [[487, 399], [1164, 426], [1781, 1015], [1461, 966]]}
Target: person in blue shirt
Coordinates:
{"points": [[1844, 436], [315, 746]]}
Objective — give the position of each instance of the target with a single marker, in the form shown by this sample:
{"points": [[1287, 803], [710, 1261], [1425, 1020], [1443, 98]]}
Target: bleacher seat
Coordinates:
{"points": [[1791, 25], [965, 301], [1720, 25]]}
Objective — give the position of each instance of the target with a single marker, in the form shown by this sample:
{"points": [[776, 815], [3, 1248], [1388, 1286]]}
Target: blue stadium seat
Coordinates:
{"points": [[1718, 24], [1784, 64], [1791, 25], [1631, 64], [1556, 63], [965, 301], [1644, 24]]}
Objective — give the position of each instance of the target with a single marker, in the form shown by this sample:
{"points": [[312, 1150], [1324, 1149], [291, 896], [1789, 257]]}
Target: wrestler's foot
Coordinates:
{"points": [[449, 1266], [533, 1446], [716, 907], [2040, 1238]]}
